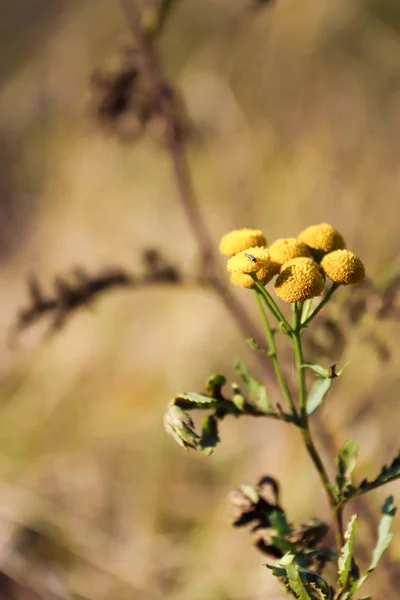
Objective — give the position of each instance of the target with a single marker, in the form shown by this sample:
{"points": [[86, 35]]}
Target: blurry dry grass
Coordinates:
{"points": [[298, 110]]}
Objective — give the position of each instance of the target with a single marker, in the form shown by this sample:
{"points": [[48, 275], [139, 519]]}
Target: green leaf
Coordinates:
{"points": [[318, 369], [317, 394], [180, 425], [326, 373], [259, 348], [296, 585], [279, 522], [194, 400], [209, 435], [384, 538], [345, 559], [346, 462], [257, 390], [387, 474]]}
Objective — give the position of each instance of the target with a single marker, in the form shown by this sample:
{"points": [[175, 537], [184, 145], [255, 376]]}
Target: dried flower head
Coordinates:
{"points": [[240, 239], [300, 279], [249, 261], [323, 238], [343, 266], [264, 276], [285, 249]]}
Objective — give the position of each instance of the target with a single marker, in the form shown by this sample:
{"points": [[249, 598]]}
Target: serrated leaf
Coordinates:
{"points": [[317, 394], [384, 537], [194, 400], [345, 559], [209, 435], [388, 473], [346, 462], [296, 584], [257, 390]]}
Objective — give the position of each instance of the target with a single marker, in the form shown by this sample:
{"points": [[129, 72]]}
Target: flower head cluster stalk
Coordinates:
{"points": [[301, 267]]}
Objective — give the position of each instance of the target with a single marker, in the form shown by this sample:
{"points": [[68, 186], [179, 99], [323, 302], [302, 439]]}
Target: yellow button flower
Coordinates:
{"points": [[249, 261], [285, 249], [343, 266], [300, 279], [242, 280], [323, 238], [240, 239]]}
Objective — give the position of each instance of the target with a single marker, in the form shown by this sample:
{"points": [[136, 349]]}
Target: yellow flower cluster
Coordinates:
{"points": [[301, 264]]}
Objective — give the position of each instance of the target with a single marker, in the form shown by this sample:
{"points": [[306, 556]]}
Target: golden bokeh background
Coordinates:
{"points": [[297, 109]]}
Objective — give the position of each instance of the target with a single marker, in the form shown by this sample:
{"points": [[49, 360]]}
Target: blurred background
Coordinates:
{"points": [[296, 114]]}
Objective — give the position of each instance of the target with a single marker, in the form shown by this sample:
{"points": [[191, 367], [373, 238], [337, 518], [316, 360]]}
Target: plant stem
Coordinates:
{"points": [[305, 429], [273, 354], [175, 145], [324, 300], [272, 305]]}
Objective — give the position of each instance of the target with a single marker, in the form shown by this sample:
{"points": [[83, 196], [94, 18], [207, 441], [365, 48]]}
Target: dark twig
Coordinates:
{"points": [[186, 195]]}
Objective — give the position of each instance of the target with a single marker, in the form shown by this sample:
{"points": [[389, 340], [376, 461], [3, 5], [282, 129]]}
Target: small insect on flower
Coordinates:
{"points": [[251, 257]]}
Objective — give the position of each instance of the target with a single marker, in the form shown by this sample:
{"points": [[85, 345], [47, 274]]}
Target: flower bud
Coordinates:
{"points": [[249, 261], [240, 239], [300, 279], [285, 249], [322, 238], [343, 266]]}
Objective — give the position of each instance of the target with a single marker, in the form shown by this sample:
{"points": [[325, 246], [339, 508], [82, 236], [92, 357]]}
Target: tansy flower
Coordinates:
{"points": [[285, 249], [322, 238], [342, 266], [249, 261], [235, 241], [264, 275], [300, 279]]}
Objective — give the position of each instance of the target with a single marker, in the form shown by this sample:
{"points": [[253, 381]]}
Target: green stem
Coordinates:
{"points": [[305, 429], [324, 300], [272, 305], [274, 355]]}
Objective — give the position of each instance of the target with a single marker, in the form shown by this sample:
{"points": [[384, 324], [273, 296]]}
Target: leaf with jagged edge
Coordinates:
{"points": [[386, 475], [306, 581], [346, 462], [296, 584], [345, 559], [209, 435], [385, 536], [317, 394], [257, 390], [194, 400]]}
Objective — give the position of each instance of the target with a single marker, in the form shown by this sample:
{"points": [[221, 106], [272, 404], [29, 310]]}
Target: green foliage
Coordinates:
{"points": [[384, 538], [346, 558], [386, 475], [297, 549], [257, 391], [346, 462], [317, 394], [209, 435]]}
